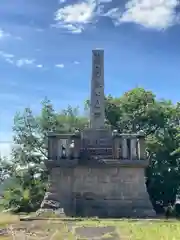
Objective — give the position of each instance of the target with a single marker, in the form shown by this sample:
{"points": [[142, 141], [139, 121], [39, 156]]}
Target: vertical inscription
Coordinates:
{"points": [[97, 90]]}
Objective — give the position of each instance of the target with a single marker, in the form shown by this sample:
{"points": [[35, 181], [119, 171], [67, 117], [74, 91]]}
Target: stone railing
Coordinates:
{"points": [[63, 146], [129, 146]]}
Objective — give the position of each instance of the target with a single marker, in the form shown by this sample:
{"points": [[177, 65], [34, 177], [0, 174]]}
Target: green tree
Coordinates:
{"points": [[140, 110], [30, 137]]}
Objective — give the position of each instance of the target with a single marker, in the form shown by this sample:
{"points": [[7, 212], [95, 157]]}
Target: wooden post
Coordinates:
{"points": [[133, 148], [124, 148]]}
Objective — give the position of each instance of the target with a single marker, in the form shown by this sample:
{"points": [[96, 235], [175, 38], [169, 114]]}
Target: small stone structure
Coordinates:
{"points": [[97, 172]]}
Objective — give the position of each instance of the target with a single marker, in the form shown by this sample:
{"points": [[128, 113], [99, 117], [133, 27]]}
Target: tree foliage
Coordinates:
{"points": [[135, 110]]}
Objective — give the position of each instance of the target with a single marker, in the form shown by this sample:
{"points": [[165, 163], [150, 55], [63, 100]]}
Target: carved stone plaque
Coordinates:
{"points": [[98, 144], [97, 110]]}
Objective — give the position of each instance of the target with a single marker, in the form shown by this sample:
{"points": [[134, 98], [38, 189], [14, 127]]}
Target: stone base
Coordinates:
{"points": [[114, 209], [129, 212], [102, 210], [102, 192]]}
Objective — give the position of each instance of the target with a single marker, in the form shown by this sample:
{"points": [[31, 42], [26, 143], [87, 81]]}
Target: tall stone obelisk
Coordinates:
{"points": [[97, 103]]}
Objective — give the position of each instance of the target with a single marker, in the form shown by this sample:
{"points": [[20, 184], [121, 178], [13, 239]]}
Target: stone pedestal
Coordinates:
{"points": [[102, 191]]}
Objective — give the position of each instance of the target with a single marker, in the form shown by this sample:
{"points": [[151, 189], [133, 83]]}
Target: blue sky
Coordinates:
{"points": [[45, 50]]}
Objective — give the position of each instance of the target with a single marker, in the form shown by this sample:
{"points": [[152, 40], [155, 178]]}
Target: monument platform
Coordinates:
{"points": [[98, 172], [115, 191]]}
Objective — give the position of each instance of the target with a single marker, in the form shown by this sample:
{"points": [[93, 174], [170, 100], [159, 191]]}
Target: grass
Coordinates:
{"points": [[164, 230], [140, 230], [58, 230], [7, 218]]}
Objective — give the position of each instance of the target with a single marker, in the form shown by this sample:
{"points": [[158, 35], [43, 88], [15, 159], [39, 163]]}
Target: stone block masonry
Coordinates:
{"points": [[103, 192]]}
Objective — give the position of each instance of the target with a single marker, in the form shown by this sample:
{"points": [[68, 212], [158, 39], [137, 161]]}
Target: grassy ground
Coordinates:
{"points": [[143, 229], [61, 230]]}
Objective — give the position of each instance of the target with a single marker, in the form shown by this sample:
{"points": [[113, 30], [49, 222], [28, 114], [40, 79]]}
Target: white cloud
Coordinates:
{"points": [[104, 1], [73, 28], [76, 16], [148, 13], [10, 58], [24, 61], [76, 62], [39, 66], [7, 57], [61, 65], [155, 14], [3, 34]]}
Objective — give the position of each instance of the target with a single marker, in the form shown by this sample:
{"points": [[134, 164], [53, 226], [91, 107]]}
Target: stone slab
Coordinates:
{"points": [[92, 232]]}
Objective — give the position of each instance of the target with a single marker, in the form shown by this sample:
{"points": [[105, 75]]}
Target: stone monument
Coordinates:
{"points": [[97, 172]]}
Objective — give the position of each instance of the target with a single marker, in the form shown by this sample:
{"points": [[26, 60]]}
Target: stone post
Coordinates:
{"points": [[59, 148], [67, 146], [124, 148], [133, 142], [142, 145], [116, 146], [53, 148], [137, 149], [142, 148], [56, 148], [49, 148], [77, 143]]}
